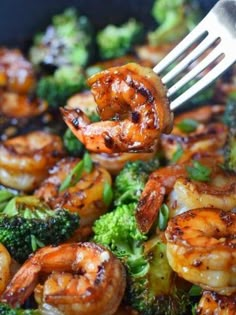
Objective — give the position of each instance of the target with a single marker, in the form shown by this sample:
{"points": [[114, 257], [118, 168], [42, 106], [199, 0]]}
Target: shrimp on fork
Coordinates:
{"points": [[201, 248], [134, 108], [83, 279]]}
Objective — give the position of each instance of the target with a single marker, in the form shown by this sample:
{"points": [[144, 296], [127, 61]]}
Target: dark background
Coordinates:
{"points": [[21, 19]]}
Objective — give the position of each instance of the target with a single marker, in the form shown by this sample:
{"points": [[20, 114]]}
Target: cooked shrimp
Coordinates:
{"points": [[16, 73], [134, 97], [201, 248], [116, 161], [84, 101], [182, 193], [5, 267], [82, 278], [25, 160], [209, 135], [13, 105], [84, 197], [212, 303]]}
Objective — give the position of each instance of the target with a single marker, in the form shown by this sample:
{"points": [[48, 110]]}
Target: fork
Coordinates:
{"points": [[215, 37]]}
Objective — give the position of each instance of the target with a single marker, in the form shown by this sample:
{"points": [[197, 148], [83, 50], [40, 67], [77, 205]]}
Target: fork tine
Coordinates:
{"points": [[206, 43], [193, 36], [223, 65], [212, 56]]}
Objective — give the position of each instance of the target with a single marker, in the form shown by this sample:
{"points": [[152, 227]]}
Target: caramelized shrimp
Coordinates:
{"points": [[5, 268], [172, 185], [16, 73], [17, 106], [25, 160], [84, 197], [212, 303], [201, 248], [209, 135], [82, 278], [133, 104]]}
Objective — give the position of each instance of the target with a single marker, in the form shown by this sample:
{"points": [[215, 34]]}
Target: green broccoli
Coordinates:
{"points": [[27, 224], [5, 309], [150, 288], [67, 41], [175, 19], [57, 88], [123, 237], [73, 146], [131, 180], [156, 292], [230, 120], [115, 41]]}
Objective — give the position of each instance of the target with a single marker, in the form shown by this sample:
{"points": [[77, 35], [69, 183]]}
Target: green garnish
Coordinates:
{"points": [[35, 243], [107, 193], [188, 125], [74, 176], [195, 290], [177, 154], [199, 172], [88, 163], [163, 217]]}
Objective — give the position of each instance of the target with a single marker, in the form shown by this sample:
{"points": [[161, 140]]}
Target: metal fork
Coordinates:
{"points": [[215, 33]]}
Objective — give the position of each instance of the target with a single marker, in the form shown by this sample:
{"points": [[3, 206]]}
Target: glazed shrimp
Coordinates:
{"points": [[16, 73], [18, 106], [5, 267], [131, 95], [82, 278], [212, 303], [209, 135], [201, 248], [25, 160], [84, 197], [172, 185]]}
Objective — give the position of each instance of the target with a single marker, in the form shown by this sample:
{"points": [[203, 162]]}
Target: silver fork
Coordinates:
{"points": [[219, 29]]}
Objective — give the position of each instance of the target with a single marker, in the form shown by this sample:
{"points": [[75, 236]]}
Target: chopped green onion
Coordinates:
{"points": [[188, 125], [35, 243], [107, 193], [163, 217], [88, 163], [177, 154], [199, 172], [10, 208], [73, 176], [195, 290]]}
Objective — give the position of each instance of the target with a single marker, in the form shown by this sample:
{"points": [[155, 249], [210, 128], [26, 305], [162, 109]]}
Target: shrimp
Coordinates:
{"points": [[84, 197], [201, 248], [5, 267], [82, 278], [16, 73], [209, 135], [17, 106], [135, 99], [171, 184], [25, 159], [212, 303]]}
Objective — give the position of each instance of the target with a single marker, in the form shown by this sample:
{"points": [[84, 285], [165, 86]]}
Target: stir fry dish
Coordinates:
{"points": [[110, 203]]}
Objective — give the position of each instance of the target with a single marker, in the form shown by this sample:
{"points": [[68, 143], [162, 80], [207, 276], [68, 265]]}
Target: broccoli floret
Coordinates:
{"points": [[131, 180], [7, 310], [175, 19], [73, 146], [115, 41], [67, 41], [57, 88], [230, 120], [27, 224], [155, 292], [122, 237]]}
